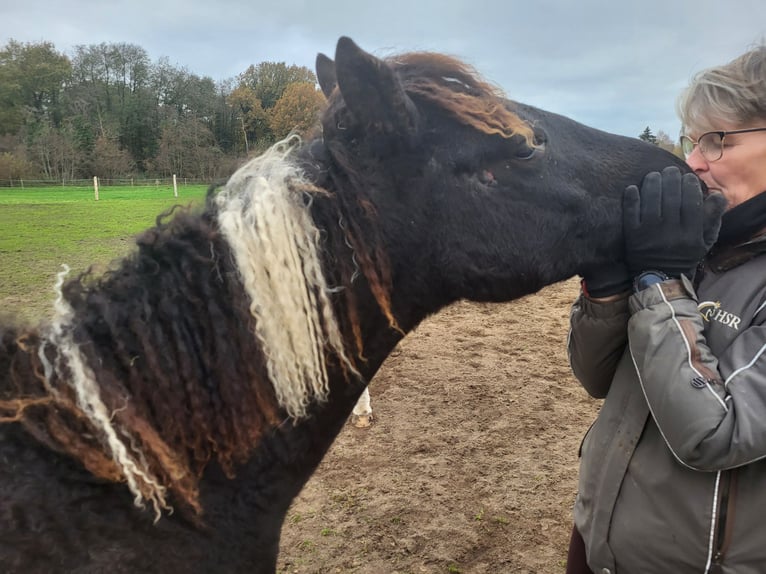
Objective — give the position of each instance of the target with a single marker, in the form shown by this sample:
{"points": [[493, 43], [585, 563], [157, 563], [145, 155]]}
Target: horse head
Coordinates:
{"points": [[477, 196]]}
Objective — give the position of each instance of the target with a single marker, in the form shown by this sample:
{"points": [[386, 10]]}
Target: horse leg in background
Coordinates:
{"points": [[361, 417]]}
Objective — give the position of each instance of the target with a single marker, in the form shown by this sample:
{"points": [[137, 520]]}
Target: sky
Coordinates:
{"points": [[616, 65]]}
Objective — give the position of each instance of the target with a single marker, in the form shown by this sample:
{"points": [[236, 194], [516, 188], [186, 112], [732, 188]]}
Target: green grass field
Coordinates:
{"points": [[43, 228]]}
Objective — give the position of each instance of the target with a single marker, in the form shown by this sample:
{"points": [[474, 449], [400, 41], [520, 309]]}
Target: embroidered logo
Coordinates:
{"points": [[711, 311]]}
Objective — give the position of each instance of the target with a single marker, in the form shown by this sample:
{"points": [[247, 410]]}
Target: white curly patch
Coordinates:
{"points": [[264, 216]]}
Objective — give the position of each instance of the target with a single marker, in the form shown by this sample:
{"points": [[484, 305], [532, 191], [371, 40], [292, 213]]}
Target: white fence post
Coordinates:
{"points": [[175, 186], [95, 186]]}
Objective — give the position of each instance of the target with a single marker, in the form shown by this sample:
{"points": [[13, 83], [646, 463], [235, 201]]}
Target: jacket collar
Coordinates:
{"points": [[723, 259]]}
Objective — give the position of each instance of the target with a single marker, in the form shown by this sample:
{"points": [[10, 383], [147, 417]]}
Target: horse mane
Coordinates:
{"points": [[163, 364], [264, 216]]}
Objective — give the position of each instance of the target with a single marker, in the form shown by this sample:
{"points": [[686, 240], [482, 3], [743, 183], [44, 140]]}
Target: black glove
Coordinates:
{"points": [[607, 280], [669, 226]]}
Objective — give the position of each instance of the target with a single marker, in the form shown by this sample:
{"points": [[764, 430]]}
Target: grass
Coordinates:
{"points": [[43, 228]]}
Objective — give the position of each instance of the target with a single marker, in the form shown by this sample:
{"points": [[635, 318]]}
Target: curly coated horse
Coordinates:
{"points": [[169, 413]]}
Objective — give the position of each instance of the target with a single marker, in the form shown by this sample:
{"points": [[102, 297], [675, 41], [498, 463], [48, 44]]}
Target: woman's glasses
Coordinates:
{"points": [[711, 143]]}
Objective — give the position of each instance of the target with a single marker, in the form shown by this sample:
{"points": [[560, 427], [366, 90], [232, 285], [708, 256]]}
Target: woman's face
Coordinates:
{"points": [[740, 173]]}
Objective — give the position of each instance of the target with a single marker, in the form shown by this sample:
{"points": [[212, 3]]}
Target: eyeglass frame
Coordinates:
{"points": [[721, 134]]}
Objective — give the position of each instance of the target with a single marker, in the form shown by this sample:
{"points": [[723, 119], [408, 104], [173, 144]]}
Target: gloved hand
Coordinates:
{"points": [[669, 226], [607, 280]]}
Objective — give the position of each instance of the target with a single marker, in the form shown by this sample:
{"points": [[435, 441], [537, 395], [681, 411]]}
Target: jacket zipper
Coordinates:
{"points": [[727, 489]]}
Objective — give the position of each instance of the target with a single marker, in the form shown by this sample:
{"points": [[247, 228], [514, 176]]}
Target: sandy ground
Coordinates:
{"points": [[471, 463]]}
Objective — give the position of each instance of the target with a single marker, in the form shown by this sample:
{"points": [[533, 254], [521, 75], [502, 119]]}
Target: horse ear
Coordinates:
{"points": [[372, 91], [326, 74]]}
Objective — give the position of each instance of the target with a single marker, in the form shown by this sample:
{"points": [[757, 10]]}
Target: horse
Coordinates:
{"points": [[174, 406]]}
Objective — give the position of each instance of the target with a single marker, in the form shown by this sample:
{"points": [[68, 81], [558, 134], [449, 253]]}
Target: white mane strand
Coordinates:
{"points": [[75, 371], [264, 216]]}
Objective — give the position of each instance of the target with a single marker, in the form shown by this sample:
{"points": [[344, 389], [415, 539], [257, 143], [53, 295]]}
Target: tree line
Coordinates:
{"points": [[108, 110]]}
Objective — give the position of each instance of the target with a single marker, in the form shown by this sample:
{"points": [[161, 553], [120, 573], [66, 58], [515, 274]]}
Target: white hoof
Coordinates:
{"points": [[362, 421]]}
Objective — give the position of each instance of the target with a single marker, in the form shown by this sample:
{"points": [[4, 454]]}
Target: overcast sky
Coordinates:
{"points": [[613, 64]]}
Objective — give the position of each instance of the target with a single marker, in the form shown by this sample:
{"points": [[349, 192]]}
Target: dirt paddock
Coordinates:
{"points": [[471, 464]]}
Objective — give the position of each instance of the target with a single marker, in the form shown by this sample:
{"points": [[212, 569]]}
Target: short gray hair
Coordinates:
{"points": [[734, 93]]}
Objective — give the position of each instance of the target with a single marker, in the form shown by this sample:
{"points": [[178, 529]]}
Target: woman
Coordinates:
{"points": [[673, 471]]}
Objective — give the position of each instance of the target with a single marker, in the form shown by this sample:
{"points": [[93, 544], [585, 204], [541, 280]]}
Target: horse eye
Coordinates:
{"points": [[528, 152], [525, 153]]}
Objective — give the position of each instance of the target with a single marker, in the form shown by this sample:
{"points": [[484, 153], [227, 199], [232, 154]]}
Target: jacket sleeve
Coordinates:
{"points": [[710, 410], [598, 335]]}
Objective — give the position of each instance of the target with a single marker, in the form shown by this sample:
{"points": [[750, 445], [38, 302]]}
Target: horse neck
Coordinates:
{"points": [[373, 315]]}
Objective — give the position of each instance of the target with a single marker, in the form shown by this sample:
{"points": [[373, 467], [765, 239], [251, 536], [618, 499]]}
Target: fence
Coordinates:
{"points": [[102, 182]]}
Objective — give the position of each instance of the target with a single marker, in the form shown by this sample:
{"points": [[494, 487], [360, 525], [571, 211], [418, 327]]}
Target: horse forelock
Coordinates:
{"points": [[263, 212], [459, 89]]}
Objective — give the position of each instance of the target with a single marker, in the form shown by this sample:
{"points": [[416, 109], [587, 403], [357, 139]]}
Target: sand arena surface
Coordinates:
{"points": [[471, 463]]}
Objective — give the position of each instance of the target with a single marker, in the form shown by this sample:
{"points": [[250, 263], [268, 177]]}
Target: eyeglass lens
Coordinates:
{"points": [[710, 144]]}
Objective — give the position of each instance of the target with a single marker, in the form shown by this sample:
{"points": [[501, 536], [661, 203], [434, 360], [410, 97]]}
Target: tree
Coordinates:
{"points": [[109, 161], [15, 166], [297, 110], [268, 80], [187, 149], [138, 129], [226, 121], [664, 141], [253, 119], [179, 92], [11, 99], [111, 90], [32, 77], [648, 136], [54, 151]]}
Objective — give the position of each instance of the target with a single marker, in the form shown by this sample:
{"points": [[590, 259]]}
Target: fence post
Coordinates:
{"points": [[175, 186], [95, 186]]}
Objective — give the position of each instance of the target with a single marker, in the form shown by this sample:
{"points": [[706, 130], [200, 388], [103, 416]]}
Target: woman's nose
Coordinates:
{"points": [[696, 162]]}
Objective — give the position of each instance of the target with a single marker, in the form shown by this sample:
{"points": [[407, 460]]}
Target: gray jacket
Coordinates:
{"points": [[673, 471]]}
